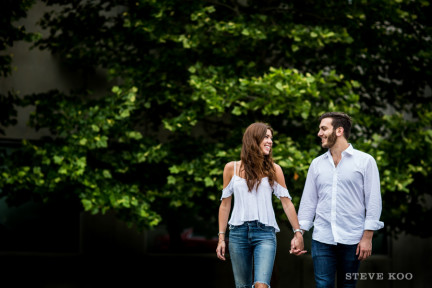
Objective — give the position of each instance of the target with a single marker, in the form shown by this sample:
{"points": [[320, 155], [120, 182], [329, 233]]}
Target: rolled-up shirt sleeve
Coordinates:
{"points": [[373, 200], [308, 201]]}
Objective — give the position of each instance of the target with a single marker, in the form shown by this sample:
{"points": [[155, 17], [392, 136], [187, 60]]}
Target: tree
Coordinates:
{"points": [[193, 74]]}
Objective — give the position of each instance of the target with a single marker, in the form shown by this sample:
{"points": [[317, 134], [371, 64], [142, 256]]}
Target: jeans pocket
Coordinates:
{"points": [[266, 228]]}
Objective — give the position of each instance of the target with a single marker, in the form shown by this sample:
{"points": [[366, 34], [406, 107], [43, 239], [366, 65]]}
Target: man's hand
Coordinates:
{"points": [[364, 248]]}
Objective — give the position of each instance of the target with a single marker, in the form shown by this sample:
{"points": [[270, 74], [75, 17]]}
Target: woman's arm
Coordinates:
{"points": [[297, 244], [224, 210]]}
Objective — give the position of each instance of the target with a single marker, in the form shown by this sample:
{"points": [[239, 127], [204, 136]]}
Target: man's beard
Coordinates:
{"points": [[331, 140]]}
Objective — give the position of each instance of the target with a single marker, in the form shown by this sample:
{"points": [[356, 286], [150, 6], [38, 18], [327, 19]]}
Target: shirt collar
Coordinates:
{"points": [[349, 150]]}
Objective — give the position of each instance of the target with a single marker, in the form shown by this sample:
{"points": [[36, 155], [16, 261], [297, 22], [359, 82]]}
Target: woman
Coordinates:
{"points": [[252, 238]]}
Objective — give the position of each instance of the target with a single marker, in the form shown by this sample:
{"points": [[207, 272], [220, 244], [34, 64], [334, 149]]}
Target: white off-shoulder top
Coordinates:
{"points": [[254, 205]]}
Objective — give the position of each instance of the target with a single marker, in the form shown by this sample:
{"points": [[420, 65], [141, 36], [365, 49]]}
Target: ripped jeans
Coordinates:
{"points": [[252, 249]]}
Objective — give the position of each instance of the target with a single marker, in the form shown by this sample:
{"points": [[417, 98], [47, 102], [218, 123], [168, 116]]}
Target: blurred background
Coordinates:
{"points": [[117, 118]]}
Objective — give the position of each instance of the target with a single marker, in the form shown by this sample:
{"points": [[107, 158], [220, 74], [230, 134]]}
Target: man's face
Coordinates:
{"points": [[327, 133]]}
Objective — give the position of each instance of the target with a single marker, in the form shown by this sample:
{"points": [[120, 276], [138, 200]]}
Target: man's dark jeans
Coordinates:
{"points": [[327, 259]]}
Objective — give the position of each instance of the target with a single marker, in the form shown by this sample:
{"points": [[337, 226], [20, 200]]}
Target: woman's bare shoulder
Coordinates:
{"points": [[229, 165], [229, 169], [279, 174], [277, 167]]}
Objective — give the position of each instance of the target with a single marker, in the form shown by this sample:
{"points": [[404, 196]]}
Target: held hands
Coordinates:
{"points": [[297, 245]]}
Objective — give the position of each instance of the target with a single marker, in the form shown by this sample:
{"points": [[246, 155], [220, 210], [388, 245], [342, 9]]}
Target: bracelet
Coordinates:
{"points": [[221, 233], [298, 230]]}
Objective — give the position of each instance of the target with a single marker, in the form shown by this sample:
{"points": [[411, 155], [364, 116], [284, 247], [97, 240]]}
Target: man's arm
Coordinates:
{"points": [[373, 204], [308, 201], [372, 192]]}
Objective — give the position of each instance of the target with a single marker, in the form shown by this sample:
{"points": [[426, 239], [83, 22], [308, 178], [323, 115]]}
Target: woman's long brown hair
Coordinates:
{"points": [[254, 163]]}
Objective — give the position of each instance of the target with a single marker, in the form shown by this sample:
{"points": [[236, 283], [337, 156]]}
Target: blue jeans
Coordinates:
{"points": [[252, 249], [327, 259]]}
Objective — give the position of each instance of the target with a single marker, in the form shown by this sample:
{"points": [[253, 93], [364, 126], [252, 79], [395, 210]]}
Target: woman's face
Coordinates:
{"points": [[267, 143]]}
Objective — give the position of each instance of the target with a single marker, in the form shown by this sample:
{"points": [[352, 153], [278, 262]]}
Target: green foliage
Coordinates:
{"points": [[95, 148], [204, 71]]}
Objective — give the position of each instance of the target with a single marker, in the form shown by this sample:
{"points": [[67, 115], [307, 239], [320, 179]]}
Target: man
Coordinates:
{"points": [[342, 200]]}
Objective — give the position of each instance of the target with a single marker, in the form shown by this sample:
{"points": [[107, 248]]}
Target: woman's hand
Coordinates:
{"points": [[220, 250]]}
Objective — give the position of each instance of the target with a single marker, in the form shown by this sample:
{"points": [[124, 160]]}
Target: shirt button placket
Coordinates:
{"points": [[333, 204]]}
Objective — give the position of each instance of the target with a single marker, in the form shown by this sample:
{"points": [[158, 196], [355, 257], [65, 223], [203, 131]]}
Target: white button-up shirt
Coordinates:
{"points": [[343, 201]]}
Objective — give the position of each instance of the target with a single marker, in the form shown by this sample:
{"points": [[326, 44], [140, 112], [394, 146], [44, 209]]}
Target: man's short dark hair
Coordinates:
{"points": [[339, 119]]}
